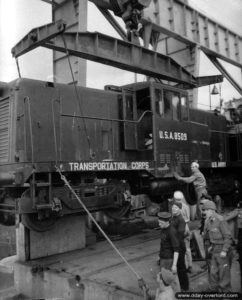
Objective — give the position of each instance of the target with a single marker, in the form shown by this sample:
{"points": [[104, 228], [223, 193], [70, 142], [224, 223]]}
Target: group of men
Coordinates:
{"points": [[175, 253]]}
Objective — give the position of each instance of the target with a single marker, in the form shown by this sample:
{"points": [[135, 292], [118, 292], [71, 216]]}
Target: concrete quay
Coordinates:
{"points": [[96, 272]]}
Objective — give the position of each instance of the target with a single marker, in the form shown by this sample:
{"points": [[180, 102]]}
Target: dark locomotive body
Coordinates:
{"points": [[104, 142]]}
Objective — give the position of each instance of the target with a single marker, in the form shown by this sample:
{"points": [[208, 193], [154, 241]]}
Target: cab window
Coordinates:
{"points": [[171, 105], [175, 106], [159, 103], [184, 108], [167, 105]]}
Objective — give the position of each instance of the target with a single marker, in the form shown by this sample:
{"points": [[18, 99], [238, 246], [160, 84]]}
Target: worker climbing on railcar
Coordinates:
{"points": [[199, 183]]}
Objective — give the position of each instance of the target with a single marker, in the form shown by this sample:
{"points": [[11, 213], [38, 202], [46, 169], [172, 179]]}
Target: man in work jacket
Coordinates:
{"points": [[169, 247], [218, 239], [199, 183]]}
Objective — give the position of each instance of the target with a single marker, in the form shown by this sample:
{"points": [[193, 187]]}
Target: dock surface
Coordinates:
{"points": [[96, 272]]}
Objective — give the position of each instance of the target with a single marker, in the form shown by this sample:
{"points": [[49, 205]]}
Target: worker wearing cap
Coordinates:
{"points": [[218, 239], [199, 183], [165, 279], [169, 247]]}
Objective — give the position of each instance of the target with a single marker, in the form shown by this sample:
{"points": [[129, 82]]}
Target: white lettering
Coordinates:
{"points": [[76, 166], [139, 165], [86, 166], [71, 166], [107, 166], [179, 136]]}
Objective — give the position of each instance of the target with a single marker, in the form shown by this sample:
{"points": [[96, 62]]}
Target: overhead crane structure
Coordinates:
{"points": [[172, 27], [182, 32], [113, 52]]}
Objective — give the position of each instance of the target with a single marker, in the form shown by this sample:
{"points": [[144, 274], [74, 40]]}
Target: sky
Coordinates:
{"points": [[18, 17]]}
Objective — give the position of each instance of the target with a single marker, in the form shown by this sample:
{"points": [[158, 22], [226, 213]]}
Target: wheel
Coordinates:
{"points": [[119, 212], [32, 222], [121, 205]]}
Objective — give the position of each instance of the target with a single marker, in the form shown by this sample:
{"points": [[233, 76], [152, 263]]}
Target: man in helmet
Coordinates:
{"points": [[218, 239], [236, 216]]}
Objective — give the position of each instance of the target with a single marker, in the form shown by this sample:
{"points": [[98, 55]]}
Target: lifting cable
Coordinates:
{"points": [[17, 63], [141, 281], [76, 92]]}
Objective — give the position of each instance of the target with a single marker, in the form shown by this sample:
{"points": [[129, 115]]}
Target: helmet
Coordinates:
{"points": [[209, 205]]}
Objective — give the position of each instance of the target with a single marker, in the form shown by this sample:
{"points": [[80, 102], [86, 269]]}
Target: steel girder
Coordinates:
{"points": [[180, 21], [107, 50], [220, 67]]}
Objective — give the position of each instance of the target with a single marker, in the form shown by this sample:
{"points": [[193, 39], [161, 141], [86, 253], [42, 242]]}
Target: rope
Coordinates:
{"points": [[76, 92], [54, 130], [141, 281], [17, 63], [30, 128]]}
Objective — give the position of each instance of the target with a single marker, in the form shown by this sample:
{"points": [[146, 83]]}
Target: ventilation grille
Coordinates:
{"points": [[4, 130]]}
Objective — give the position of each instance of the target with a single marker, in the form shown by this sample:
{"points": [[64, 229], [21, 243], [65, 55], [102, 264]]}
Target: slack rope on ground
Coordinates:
{"points": [[141, 281]]}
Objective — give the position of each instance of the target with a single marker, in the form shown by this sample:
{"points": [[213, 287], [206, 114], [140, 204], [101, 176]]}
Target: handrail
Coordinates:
{"points": [[108, 119]]}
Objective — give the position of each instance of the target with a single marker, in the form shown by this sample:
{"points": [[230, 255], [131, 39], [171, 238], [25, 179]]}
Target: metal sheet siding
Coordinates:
{"points": [[4, 129]]}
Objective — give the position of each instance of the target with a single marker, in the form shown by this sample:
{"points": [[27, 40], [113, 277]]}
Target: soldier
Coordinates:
{"points": [[199, 183], [204, 199], [218, 239], [236, 214]]}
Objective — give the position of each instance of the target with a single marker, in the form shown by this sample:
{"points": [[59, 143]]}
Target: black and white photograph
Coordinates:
{"points": [[120, 149]]}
